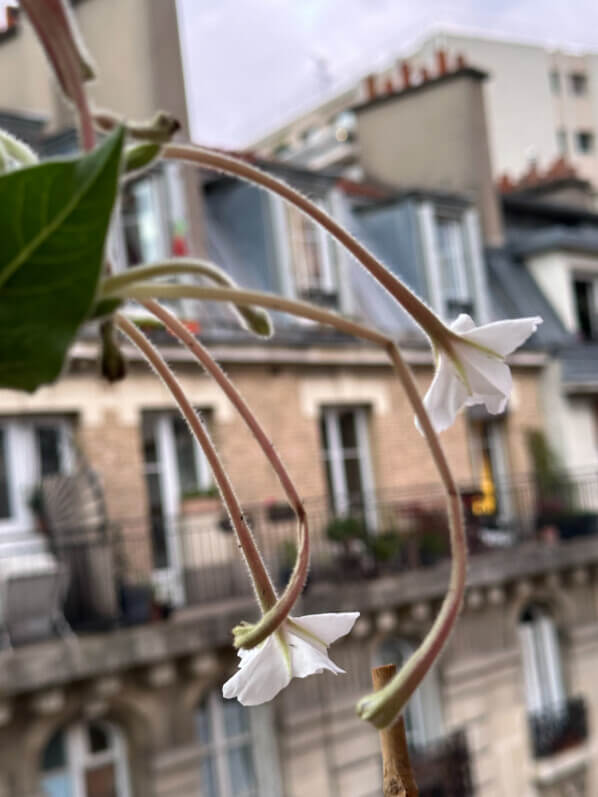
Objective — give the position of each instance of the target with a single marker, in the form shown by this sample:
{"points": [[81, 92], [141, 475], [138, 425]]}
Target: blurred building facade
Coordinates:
{"points": [[130, 532]]}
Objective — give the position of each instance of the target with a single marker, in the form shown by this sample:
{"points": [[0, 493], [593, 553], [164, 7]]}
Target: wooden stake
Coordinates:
{"points": [[397, 775]]}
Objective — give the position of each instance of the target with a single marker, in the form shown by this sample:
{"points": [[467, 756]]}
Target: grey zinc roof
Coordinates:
{"points": [[579, 364], [514, 293], [580, 239]]}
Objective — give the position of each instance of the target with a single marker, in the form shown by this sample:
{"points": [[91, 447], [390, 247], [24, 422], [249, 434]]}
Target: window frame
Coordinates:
{"points": [[590, 279], [23, 465], [460, 264], [578, 84], [219, 746], [588, 137], [541, 660], [335, 455], [80, 760]]}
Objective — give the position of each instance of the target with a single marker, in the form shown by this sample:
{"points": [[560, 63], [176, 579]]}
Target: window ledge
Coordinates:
{"points": [[560, 766]]}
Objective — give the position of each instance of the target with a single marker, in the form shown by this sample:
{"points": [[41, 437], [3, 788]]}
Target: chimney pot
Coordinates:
{"points": [[406, 74], [370, 84], [441, 62], [425, 75], [389, 87], [461, 62]]}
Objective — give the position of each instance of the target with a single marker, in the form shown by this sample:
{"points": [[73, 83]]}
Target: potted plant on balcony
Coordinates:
{"points": [[200, 502], [350, 532]]}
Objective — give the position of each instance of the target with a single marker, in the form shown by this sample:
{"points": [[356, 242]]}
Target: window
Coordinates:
{"points": [[544, 686], [85, 760], [584, 290], [584, 141], [578, 83], [227, 754], [144, 220], [423, 714], [346, 454], [555, 81], [313, 260], [561, 141], [175, 467], [454, 272], [30, 449]]}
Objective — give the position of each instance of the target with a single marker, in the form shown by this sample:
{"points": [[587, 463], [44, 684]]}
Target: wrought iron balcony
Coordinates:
{"points": [[442, 769], [558, 728]]}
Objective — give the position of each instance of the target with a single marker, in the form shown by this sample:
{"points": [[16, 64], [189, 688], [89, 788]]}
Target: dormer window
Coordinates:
{"points": [[313, 260], [457, 294], [584, 289]]}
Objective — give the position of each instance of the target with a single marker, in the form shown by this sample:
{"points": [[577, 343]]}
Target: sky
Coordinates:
{"points": [[252, 65]]}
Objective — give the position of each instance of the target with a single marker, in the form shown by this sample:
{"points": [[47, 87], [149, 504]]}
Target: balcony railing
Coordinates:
{"points": [[135, 571], [442, 769], [558, 728]]}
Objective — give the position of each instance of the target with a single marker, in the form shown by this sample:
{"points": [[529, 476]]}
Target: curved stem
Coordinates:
{"points": [[263, 586], [255, 319], [381, 708], [279, 612], [220, 162]]}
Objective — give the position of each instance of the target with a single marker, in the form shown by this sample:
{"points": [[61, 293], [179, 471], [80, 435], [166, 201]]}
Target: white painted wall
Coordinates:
{"points": [[570, 429]]}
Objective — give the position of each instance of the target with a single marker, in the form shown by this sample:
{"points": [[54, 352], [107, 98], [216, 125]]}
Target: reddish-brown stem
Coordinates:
{"points": [[278, 613], [227, 164], [264, 588]]}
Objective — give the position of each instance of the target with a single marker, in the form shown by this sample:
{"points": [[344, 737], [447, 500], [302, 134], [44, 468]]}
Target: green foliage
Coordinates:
{"points": [[343, 529], [555, 490], [385, 547], [53, 226]]}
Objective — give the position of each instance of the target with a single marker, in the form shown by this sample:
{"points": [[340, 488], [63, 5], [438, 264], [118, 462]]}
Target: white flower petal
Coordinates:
{"points": [[485, 374], [446, 395], [503, 337], [463, 323], [262, 673], [488, 377], [327, 627], [308, 658]]}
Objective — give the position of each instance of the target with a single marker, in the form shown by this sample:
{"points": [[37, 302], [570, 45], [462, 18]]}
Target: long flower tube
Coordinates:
{"points": [[264, 589], [221, 162], [250, 636], [55, 26], [380, 708]]}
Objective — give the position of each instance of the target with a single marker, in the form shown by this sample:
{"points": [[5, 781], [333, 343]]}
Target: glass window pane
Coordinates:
{"points": [[207, 776], [101, 781], [98, 738], [353, 481], [185, 456], [203, 725], [242, 774], [54, 756], [141, 222], [5, 510], [58, 785], [236, 718], [347, 429], [48, 447], [324, 434]]}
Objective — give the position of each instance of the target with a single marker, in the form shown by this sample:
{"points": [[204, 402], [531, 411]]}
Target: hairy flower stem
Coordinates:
{"points": [[227, 164], [55, 27], [265, 592], [280, 611], [381, 708]]}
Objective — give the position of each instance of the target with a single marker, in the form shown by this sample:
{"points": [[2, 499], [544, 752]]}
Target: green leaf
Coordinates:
{"points": [[54, 219]]}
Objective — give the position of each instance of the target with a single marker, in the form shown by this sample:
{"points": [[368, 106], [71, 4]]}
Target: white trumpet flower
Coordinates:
{"points": [[475, 372], [296, 650]]}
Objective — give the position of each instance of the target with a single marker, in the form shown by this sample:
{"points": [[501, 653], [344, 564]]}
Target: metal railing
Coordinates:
{"points": [[558, 728], [137, 570], [442, 768]]}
